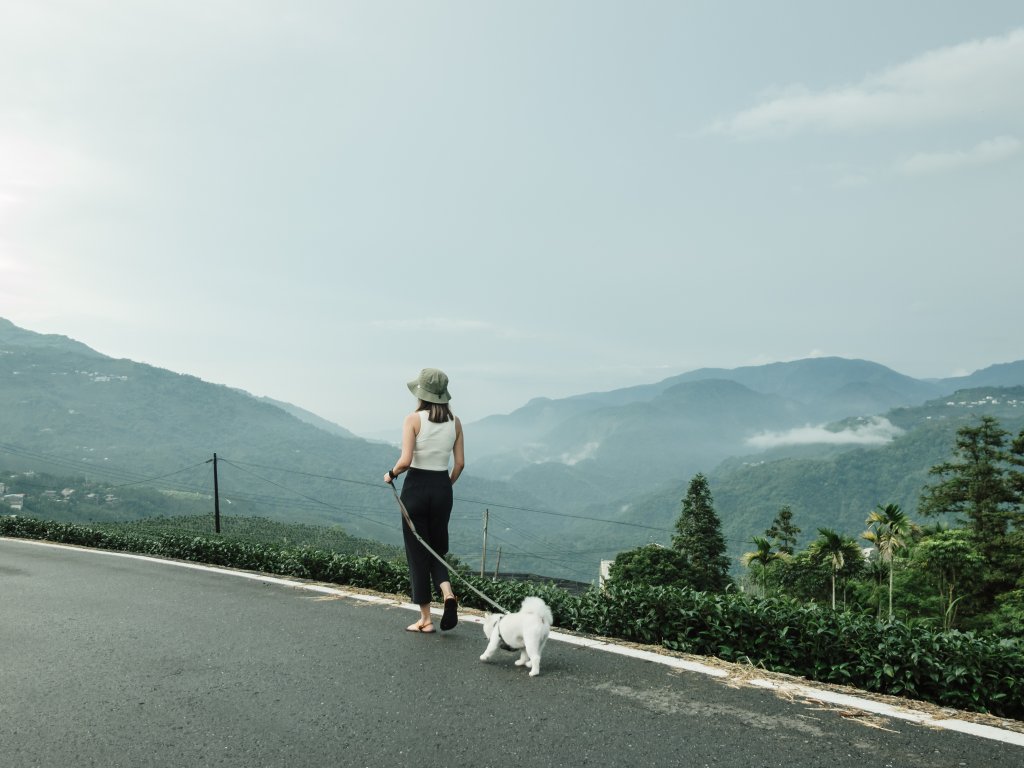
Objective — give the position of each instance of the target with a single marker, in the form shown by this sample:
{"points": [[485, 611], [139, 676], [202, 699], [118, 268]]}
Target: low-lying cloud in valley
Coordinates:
{"points": [[874, 431], [587, 451]]}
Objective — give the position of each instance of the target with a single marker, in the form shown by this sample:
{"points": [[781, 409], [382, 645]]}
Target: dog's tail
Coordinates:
{"points": [[538, 608]]}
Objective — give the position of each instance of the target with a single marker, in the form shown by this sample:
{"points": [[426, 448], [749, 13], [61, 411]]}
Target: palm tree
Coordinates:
{"points": [[837, 550], [888, 529], [764, 556], [876, 567]]}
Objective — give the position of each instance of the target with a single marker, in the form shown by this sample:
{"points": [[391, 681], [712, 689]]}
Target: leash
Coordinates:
{"points": [[451, 570]]}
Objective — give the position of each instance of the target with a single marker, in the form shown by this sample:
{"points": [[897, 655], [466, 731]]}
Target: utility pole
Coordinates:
{"points": [[216, 497], [483, 558], [498, 565]]}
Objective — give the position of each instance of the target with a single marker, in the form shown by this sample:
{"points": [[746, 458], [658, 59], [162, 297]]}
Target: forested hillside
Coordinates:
{"points": [[81, 417], [836, 490]]}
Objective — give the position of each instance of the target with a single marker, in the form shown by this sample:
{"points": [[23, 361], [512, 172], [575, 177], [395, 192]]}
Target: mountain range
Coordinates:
{"points": [[566, 482], [692, 422]]}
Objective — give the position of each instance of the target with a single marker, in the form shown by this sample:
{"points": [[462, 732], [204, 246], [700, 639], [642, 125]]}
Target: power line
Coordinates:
{"points": [[305, 502], [469, 500], [518, 550], [160, 477], [111, 473], [313, 499], [240, 464]]}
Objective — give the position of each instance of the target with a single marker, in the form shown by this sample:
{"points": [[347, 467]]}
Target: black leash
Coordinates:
{"points": [[451, 570]]}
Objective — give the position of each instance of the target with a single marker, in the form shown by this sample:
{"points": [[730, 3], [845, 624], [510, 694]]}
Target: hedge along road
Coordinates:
{"points": [[117, 660]]}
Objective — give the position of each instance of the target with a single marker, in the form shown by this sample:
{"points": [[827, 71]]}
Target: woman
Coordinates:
{"points": [[431, 437]]}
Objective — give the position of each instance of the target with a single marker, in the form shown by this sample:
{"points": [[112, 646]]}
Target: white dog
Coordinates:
{"points": [[525, 631]]}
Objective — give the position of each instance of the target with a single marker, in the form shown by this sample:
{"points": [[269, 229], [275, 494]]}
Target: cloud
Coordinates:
{"points": [[961, 81], [875, 431], [586, 451], [538, 453], [986, 152]]}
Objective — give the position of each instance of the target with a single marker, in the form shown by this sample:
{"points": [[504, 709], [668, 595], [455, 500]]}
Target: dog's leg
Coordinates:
{"points": [[524, 658], [533, 648], [492, 645]]}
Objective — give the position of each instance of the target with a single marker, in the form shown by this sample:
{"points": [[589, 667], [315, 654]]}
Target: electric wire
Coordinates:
{"points": [[159, 477], [467, 500], [566, 559], [566, 554], [534, 556], [112, 472], [313, 499]]}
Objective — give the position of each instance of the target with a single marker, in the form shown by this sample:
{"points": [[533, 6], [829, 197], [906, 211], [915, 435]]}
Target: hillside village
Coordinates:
{"points": [[15, 501], [985, 401]]}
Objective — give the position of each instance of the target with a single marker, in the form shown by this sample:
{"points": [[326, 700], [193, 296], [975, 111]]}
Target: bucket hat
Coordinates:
{"points": [[431, 386]]}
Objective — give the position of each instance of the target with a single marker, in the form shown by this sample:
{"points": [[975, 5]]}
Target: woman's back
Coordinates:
{"points": [[434, 443]]}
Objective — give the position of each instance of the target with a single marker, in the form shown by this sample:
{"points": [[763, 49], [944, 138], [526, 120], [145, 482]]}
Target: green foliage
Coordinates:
{"points": [[840, 552], [652, 564], [949, 668], [954, 564], [1008, 620], [302, 562], [804, 578], [258, 530]]}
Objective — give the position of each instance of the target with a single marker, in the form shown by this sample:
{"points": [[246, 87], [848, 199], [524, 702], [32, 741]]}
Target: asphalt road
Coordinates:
{"points": [[114, 661]]}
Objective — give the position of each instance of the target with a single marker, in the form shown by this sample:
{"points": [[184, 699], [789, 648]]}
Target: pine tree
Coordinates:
{"points": [[699, 537], [977, 483], [982, 486]]}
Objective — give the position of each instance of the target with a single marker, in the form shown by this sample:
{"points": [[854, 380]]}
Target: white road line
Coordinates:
{"points": [[866, 705]]}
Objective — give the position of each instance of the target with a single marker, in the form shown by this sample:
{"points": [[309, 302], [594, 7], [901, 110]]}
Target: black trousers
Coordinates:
{"points": [[427, 496]]}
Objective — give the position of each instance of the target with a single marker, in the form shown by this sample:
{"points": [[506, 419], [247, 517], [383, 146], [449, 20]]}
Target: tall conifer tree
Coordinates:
{"points": [[983, 487], [977, 483], [699, 537]]}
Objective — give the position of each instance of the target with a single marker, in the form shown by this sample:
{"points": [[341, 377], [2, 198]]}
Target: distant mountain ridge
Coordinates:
{"points": [[689, 423], [998, 375], [12, 335], [310, 418], [830, 387], [827, 388]]}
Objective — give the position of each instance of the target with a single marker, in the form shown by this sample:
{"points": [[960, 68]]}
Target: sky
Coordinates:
{"points": [[312, 201]]}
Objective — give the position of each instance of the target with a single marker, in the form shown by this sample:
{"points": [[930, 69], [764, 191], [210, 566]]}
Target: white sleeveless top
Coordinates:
{"points": [[433, 444]]}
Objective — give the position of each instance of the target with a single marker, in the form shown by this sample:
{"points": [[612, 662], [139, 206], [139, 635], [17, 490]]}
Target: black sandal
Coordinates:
{"points": [[451, 614]]}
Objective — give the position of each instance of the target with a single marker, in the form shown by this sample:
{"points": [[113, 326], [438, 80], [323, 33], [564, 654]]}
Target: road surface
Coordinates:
{"points": [[113, 660]]}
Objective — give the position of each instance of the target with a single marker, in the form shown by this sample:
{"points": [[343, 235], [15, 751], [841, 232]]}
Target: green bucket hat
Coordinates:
{"points": [[431, 386]]}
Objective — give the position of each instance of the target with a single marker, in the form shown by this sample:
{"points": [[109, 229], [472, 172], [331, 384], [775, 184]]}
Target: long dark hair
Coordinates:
{"points": [[437, 412]]}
